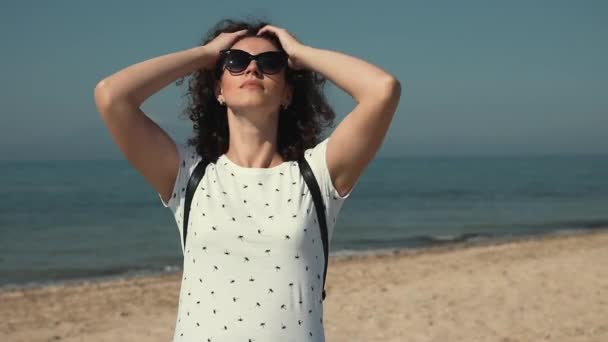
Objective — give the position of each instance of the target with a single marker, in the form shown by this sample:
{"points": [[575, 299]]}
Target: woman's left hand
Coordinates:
{"points": [[288, 42]]}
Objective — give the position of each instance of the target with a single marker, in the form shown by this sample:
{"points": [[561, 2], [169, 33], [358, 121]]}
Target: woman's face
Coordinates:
{"points": [[265, 96]]}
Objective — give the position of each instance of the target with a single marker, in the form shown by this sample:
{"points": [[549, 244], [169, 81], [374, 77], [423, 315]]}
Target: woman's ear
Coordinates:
{"points": [[218, 90]]}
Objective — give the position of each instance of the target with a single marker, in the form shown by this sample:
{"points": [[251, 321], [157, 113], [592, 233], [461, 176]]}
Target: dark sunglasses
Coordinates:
{"points": [[269, 62]]}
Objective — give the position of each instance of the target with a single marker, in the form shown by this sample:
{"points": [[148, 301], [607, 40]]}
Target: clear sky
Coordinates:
{"points": [[478, 77]]}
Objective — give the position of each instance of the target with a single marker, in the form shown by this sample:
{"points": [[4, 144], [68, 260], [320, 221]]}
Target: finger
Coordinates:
{"points": [[266, 28]]}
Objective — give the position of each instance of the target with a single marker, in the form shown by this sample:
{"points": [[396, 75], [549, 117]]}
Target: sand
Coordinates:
{"points": [[553, 288]]}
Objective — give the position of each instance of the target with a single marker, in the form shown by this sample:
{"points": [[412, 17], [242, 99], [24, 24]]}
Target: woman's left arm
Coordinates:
{"points": [[355, 141], [363, 81]]}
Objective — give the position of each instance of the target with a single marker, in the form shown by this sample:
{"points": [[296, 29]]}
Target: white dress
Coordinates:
{"points": [[253, 262]]}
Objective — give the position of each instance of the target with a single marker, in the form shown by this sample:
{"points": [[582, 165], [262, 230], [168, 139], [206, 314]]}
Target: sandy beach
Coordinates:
{"points": [[553, 288]]}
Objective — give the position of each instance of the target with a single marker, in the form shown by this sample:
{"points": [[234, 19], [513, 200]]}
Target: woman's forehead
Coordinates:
{"points": [[254, 45]]}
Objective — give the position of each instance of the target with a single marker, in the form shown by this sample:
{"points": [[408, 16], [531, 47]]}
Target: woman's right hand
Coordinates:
{"points": [[223, 41]]}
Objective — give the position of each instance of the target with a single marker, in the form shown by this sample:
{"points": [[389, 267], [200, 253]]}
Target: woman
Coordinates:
{"points": [[253, 262]]}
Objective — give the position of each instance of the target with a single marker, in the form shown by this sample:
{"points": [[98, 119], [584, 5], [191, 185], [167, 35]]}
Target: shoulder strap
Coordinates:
{"points": [[313, 186], [195, 178], [311, 182]]}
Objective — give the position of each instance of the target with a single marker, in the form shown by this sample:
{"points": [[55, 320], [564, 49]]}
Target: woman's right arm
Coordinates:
{"points": [[146, 146]]}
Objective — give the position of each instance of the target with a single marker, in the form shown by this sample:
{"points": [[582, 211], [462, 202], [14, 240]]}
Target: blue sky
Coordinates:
{"points": [[478, 77]]}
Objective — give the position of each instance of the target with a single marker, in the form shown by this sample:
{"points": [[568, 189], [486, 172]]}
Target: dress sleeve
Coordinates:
{"points": [[189, 158], [316, 157]]}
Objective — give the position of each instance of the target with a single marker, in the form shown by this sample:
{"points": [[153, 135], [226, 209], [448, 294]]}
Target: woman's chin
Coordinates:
{"points": [[252, 105]]}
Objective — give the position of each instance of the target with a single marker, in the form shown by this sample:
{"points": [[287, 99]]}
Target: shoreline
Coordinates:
{"points": [[545, 287], [342, 255]]}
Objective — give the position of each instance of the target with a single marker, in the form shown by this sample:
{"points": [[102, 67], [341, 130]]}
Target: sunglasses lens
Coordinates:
{"points": [[272, 62], [237, 61]]}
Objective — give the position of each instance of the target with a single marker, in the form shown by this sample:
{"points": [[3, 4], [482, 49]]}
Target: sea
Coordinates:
{"points": [[74, 221]]}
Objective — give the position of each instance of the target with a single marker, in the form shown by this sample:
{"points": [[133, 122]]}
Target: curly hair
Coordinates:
{"points": [[299, 126]]}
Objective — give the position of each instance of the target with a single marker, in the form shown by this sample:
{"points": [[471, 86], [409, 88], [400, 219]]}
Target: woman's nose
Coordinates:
{"points": [[253, 67]]}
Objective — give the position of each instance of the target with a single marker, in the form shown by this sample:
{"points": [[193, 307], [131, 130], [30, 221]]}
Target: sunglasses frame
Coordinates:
{"points": [[226, 53]]}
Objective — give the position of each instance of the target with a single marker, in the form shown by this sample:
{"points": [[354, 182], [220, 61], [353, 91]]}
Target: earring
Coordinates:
{"points": [[221, 101]]}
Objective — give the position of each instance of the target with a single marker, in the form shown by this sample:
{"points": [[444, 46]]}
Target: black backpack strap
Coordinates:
{"points": [[313, 186], [195, 178]]}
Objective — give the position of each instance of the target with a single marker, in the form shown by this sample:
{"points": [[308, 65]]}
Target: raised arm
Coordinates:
{"points": [[359, 136], [147, 147]]}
